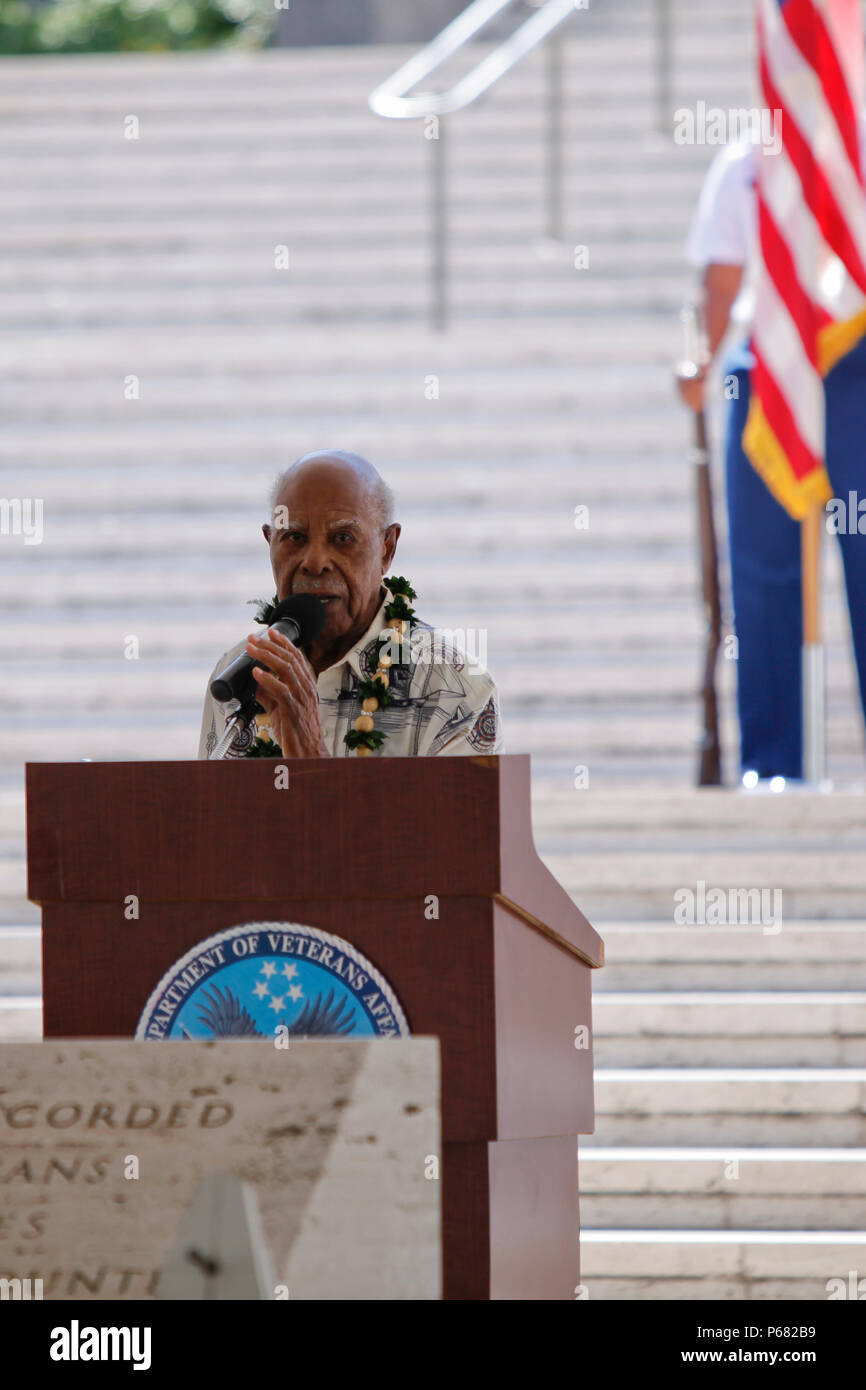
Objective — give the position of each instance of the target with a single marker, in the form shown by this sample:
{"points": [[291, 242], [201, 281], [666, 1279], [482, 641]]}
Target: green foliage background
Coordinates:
{"points": [[104, 26]]}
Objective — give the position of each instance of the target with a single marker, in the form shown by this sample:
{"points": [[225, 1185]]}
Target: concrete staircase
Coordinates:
{"points": [[729, 1157], [157, 370]]}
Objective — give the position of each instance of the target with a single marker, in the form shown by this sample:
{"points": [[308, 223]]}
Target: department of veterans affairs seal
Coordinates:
{"points": [[252, 980]]}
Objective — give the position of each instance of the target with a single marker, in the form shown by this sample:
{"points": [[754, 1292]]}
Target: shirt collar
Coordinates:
{"points": [[353, 655]]}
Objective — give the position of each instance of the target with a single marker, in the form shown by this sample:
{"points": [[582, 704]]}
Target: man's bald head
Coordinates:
{"points": [[341, 463]]}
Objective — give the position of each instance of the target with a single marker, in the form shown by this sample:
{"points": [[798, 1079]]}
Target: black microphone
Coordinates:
{"points": [[301, 618]]}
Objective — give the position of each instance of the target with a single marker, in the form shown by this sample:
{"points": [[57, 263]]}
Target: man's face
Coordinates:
{"points": [[326, 539]]}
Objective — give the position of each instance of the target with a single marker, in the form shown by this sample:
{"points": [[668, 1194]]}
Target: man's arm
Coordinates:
{"points": [[720, 244], [719, 289]]}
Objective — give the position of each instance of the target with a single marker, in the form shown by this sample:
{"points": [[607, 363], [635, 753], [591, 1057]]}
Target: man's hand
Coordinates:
{"points": [[287, 692], [691, 389], [721, 285]]}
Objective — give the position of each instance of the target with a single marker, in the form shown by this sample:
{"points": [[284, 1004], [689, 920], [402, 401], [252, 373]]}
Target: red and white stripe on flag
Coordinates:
{"points": [[810, 292]]}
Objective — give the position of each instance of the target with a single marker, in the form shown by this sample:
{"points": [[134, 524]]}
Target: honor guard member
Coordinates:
{"points": [[764, 540]]}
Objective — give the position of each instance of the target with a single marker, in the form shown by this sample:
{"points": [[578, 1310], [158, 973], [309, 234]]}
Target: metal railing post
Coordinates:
{"points": [[439, 230], [399, 98], [664, 67], [554, 137]]}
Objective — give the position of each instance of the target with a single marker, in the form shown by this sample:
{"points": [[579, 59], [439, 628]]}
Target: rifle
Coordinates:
{"points": [[710, 762]]}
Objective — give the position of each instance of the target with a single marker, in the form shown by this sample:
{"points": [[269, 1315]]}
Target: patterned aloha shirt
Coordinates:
{"points": [[443, 703]]}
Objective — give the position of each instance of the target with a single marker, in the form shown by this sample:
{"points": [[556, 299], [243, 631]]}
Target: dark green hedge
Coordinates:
{"points": [[102, 26]]}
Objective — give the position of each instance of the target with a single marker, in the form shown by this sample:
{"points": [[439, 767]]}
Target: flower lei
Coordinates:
{"points": [[374, 693], [363, 738]]}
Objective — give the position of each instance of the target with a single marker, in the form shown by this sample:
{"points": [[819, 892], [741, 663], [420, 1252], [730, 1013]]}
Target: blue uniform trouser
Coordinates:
{"points": [[765, 573]]}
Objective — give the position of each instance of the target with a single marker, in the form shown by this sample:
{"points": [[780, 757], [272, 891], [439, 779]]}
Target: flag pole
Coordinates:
{"points": [[814, 750]]}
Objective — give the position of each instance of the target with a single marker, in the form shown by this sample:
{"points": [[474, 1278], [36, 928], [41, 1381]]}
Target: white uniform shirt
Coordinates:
{"points": [[724, 230], [442, 703], [725, 226]]}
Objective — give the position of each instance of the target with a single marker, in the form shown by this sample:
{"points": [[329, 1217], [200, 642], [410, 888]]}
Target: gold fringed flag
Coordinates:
{"points": [[810, 293]]}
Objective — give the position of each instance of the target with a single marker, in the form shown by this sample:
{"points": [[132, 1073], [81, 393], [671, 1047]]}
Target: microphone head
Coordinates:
{"points": [[307, 611], [306, 614]]}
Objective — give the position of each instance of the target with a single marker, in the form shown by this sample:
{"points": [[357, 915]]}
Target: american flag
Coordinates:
{"points": [[810, 292]]}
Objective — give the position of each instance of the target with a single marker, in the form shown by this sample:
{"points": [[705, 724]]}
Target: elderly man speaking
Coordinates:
{"points": [[376, 681]]}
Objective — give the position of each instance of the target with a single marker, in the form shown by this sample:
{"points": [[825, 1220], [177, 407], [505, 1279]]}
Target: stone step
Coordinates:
{"points": [[608, 574], [290, 84], [630, 340], [557, 577], [482, 171], [204, 630], [45, 395], [483, 179], [608, 634], [113, 682], [26, 456], [780, 1029], [501, 237], [542, 733], [548, 378], [719, 1265], [825, 883], [205, 168], [506, 212], [140, 441], [554, 580], [509, 210], [670, 523], [113, 677], [20, 1018], [228, 146], [108, 685], [656, 956], [221, 497], [15, 909], [811, 1107], [633, 674], [20, 961], [503, 207], [718, 1189], [674, 815], [595, 135], [658, 744], [302, 300], [567, 571]]}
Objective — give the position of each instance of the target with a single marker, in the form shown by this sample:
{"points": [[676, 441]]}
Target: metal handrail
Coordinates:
{"points": [[391, 99]]}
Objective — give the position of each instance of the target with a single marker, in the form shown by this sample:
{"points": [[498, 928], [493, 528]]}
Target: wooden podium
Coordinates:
{"points": [[362, 849]]}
